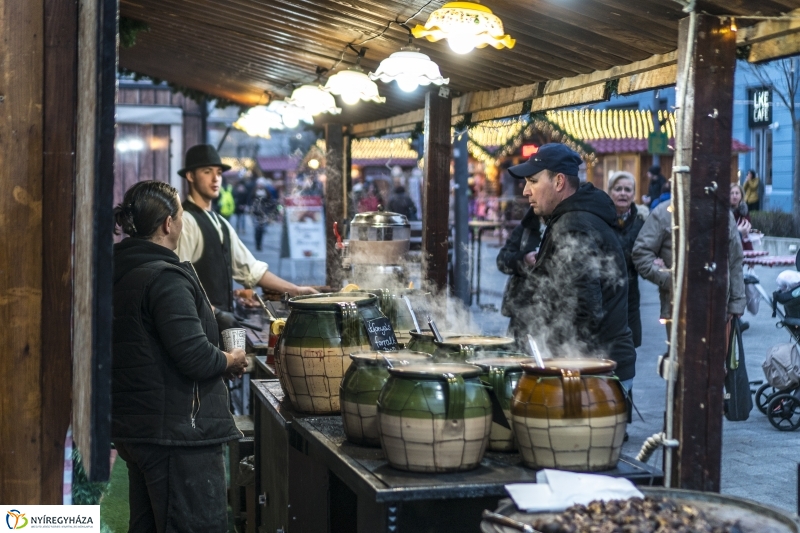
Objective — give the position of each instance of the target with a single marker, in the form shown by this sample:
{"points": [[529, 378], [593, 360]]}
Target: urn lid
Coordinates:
{"points": [[499, 360], [380, 219], [439, 371], [395, 358], [474, 340], [587, 365], [331, 301]]}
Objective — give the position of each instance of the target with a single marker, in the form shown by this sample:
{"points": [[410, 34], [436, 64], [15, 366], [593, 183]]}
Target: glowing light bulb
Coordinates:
{"points": [[350, 98], [290, 120], [461, 43], [407, 83]]}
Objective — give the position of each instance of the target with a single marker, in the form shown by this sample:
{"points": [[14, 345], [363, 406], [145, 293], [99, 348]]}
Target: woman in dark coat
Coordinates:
{"points": [[170, 414], [516, 260], [622, 190]]}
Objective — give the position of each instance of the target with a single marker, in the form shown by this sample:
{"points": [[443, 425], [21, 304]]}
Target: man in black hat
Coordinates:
{"points": [[211, 243], [657, 182], [578, 279]]}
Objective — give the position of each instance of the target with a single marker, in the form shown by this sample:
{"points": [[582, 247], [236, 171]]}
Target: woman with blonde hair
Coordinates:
{"points": [[741, 214], [622, 190]]}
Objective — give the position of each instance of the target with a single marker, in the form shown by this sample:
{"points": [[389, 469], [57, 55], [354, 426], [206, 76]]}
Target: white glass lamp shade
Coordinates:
{"points": [[257, 122], [410, 69], [314, 99], [465, 25], [291, 115], [353, 85]]}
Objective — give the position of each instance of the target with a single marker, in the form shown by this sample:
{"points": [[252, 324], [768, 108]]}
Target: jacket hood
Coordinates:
{"points": [[591, 199], [132, 253]]}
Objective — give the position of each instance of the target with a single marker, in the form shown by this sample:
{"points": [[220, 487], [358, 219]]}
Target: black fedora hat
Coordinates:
{"points": [[202, 155]]}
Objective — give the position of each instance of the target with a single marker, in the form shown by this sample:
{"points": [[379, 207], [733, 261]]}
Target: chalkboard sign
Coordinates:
{"points": [[381, 334]]}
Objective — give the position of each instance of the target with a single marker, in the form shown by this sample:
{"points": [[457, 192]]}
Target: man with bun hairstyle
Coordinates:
{"points": [[578, 277]]}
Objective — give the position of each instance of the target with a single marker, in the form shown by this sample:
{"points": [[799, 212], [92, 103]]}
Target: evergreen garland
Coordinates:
{"points": [[128, 30], [84, 492], [194, 94]]}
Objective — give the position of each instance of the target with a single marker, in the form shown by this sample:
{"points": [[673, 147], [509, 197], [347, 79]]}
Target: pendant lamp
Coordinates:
{"points": [[291, 115], [257, 122], [353, 85], [465, 25], [410, 69], [314, 99]]}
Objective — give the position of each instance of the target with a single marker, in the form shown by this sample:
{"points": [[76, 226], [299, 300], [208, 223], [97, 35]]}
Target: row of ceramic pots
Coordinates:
{"points": [[431, 417]]}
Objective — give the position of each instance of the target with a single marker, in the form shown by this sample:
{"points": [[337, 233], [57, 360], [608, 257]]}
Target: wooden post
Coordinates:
{"points": [[705, 147], [334, 201], [436, 189], [463, 262]]}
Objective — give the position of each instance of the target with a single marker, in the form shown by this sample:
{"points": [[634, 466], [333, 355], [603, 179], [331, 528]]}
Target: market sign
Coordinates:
{"points": [[760, 107], [657, 143], [529, 149]]}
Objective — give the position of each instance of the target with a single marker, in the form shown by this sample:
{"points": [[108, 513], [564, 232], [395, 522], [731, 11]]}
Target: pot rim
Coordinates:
{"points": [[510, 362], [436, 371], [452, 340], [586, 366], [377, 357], [361, 299], [428, 334]]}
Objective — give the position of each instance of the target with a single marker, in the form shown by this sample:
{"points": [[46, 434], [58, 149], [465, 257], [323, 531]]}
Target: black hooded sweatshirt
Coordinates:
{"points": [[167, 385], [580, 282]]}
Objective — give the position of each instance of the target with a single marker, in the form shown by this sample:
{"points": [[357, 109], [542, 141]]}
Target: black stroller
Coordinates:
{"points": [[779, 398]]}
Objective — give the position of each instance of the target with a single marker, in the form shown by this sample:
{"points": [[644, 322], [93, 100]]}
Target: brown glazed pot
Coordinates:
{"points": [[569, 415]]}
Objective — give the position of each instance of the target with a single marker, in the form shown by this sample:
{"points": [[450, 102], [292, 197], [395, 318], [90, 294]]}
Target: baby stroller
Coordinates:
{"points": [[779, 398]]}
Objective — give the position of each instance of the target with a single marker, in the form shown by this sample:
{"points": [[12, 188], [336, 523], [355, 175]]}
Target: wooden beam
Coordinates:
{"points": [[704, 144], [406, 119], [436, 193], [769, 29], [645, 81], [784, 46], [58, 191], [334, 201], [21, 83]]}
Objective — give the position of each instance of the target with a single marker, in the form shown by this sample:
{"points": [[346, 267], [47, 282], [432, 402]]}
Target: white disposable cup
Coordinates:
{"points": [[233, 338]]}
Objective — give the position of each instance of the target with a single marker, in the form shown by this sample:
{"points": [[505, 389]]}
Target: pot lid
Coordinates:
{"points": [[397, 358], [436, 370], [428, 334], [380, 219], [474, 340], [331, 300], [507, 362], [588, 365]]}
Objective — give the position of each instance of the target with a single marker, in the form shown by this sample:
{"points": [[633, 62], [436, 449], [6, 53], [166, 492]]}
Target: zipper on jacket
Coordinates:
{"points": [[195, 403]]}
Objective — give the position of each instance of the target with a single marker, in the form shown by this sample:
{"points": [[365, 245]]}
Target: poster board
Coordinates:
{"points": [[304, 219]]}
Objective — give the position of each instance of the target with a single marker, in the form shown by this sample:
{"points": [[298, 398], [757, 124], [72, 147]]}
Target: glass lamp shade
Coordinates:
{"points": [[353, 85], [291, 115], [465, 25], [410, 69], [314, 99], [258, 120]]}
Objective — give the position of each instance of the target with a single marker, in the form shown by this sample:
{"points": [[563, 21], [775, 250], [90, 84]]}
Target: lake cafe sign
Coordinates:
{"points": [[760, 107]]}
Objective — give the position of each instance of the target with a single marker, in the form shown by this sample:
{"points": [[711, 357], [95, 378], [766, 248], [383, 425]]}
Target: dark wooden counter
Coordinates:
{"points": [[365, 494]]}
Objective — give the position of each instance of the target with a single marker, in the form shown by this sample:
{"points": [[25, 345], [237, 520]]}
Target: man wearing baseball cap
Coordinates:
{"points": [[578, 278]]}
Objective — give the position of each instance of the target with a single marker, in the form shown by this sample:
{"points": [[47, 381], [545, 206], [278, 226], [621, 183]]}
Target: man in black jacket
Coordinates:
{"points": [[578, 282]]}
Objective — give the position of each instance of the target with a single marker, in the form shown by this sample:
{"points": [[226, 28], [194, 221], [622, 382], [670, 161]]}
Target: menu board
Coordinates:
{"points": [[381, 334], [305, 225]]}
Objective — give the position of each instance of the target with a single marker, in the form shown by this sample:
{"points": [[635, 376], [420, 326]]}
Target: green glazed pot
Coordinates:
{"points": [[422, 341], [502, 371], [434, 417], [311, 354], [459, 348], [360, 388], [391, 304]]}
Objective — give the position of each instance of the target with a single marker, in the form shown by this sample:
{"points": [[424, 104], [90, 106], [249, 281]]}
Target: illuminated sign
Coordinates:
{"points": [[760, 107], [529, 149]]}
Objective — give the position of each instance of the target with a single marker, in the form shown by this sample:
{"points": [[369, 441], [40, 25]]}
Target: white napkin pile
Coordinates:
{"points": [[555, 490]]}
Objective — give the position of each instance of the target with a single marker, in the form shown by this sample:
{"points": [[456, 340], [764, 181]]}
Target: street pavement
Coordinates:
{"points": [[758, 461]]}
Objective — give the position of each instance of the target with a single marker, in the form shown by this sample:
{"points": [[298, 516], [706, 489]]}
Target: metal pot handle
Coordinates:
{"points": [[456, 397], [351, 324], [571, 384], [465, 352], [497, 380]]}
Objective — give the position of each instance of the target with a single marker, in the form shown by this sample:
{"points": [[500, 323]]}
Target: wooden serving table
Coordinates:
{"points": [[358, 489]]}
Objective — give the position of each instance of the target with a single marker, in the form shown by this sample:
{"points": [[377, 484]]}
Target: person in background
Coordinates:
{"points": [[665, 195], [169, 408], [225, 202], [241, 196], [741, 215], [657, 182], [622, 190], [751, 187], [371, 198], [516, 258], [400, 202]]}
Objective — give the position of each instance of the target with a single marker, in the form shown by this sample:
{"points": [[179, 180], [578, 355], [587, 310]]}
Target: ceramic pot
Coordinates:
{"points": [[311, 354], [434, 417], [361, 386], [391, 304], [422, 341], [569, 415], [502, 371], [459, 348]]}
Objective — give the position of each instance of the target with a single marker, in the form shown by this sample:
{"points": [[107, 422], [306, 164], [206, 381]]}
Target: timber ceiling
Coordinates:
{"points": [[238, 49]]}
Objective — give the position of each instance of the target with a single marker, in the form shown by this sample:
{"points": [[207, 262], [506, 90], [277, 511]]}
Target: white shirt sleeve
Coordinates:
{"points": [[247, 270]]}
